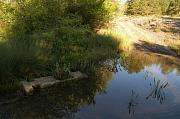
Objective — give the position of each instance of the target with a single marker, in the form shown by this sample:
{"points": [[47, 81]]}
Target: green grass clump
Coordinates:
{"points": [[125, 42]]}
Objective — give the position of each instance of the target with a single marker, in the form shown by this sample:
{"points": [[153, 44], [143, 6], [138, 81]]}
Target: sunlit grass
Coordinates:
{"points": [[125, 42], [176, 48]]}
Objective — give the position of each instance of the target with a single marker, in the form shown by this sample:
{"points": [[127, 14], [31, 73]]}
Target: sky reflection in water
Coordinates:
{"points": [[144, 87]]}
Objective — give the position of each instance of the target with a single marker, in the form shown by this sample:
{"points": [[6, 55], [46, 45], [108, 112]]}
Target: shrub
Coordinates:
{"points": [[47, 37], [93, 12]]}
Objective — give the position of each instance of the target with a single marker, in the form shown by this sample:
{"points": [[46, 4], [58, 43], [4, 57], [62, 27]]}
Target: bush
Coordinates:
{"points": [[93, 12], [53, 37], [153, 7]]}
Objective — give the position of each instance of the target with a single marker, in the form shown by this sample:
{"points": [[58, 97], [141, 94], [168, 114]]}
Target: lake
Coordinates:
{"points": [[136, 86]]}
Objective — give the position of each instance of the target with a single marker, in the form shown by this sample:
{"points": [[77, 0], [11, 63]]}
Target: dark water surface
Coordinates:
{"points": [[142, 86]]}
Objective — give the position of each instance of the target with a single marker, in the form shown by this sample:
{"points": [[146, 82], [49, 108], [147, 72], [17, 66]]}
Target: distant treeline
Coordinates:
{"points": [[150, 7]]}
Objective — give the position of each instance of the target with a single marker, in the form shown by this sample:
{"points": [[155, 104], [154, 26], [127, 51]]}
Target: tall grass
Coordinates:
{"points": [[124, 41]]}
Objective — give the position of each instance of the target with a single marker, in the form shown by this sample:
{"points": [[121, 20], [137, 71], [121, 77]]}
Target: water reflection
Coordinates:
{"points": [[132, 103], [134, 62], [112, 65], [158, 92], [109, 95], [59, 102]]}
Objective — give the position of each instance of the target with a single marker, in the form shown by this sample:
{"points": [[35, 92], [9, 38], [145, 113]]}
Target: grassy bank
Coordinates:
{"points": [[124, 41], [52, 37]]}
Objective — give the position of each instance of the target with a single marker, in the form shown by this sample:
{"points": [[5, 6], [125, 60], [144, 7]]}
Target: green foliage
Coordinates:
{"points": [[19, 60], [81, 49], [173, 7], [153, 7], [143, 7], [163, 4], [53, 37], [6, 18], [93, 12]]}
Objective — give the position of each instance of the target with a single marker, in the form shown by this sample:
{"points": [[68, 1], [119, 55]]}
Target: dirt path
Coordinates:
{"points": [[144, 39], [137, 34]]}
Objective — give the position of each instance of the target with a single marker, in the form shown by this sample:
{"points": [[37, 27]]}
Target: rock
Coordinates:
{"points": [[44, 82], [78, 75], [27, 87], [38, 82]]}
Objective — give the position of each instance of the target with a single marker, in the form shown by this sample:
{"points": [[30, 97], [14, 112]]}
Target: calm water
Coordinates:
{"points": [[142, 86]]}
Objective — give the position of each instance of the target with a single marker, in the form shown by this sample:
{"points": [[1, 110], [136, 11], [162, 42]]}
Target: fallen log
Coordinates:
{"points": [[44, 82]]}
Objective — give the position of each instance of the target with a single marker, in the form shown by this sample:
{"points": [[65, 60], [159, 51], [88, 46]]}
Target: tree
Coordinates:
{"points": [[151, 7], [173, 7]]}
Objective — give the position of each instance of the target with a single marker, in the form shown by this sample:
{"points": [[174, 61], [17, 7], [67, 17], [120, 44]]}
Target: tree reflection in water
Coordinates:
{"points": [[132, 103], [59, 102], [134, 62], [62, 101]]}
